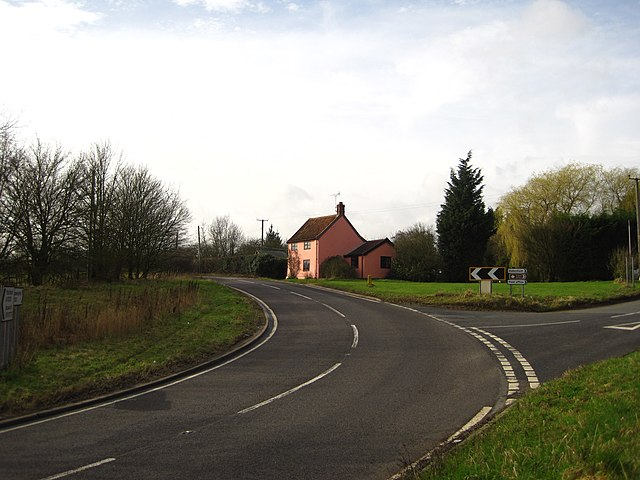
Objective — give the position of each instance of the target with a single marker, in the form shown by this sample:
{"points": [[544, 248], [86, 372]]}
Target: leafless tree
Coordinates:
{"points": [[42, 196], [150, 219], [8, 155], [223, 238], [100, 165]]}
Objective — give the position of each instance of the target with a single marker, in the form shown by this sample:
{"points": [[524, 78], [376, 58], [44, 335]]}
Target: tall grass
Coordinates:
{"points": [[54, 317]]}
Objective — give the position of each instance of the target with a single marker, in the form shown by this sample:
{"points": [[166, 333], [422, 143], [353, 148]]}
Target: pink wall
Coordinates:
{"points": [[370, 264], [341, 238]]}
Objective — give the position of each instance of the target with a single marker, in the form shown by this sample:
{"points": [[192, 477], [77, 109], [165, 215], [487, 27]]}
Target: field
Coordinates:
{"points": [[537, 296], [83, 342]]}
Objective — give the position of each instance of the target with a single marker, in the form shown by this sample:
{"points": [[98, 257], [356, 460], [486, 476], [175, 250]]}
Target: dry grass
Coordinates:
{"points": [[54, 317]]}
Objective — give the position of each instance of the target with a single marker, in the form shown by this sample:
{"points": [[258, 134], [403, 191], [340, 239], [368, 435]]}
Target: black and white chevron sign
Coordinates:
{"points": [[496, 274]]}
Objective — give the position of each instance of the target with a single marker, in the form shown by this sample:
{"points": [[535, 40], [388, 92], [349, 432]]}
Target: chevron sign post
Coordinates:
{"points": [[486, 276], [495, 274]]}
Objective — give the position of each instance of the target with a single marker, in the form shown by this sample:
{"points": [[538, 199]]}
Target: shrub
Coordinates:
{"points": [[336, 267]]}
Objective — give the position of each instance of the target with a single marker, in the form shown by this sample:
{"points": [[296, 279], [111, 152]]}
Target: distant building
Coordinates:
{"points": [[320, 238]]}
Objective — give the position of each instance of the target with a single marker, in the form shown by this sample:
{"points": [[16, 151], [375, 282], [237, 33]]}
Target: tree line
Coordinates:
{"points": [[66, 216], [565, 224]]}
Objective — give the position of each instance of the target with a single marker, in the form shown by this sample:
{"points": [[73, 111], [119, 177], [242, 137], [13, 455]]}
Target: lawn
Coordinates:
{"points": [[537, 296], [584, 425]]}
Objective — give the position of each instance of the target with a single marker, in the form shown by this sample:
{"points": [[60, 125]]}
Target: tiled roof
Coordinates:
{"points": [[312, 229], [367, 247]]}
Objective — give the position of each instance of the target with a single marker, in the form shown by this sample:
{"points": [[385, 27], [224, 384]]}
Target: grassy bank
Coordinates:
{"points": [[585, 425], [79, 343], [538, 296]]}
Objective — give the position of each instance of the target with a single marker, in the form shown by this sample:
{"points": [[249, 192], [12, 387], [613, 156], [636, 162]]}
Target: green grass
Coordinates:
{"points": [[585, 425], [70, 371], [538, 296]]}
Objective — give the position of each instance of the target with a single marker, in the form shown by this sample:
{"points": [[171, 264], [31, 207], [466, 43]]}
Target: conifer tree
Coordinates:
{"points": [[464, 225]]}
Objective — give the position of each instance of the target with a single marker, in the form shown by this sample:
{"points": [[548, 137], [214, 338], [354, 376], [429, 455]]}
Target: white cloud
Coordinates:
{"points": [[270, 123], [227, 6], [40, 18]]}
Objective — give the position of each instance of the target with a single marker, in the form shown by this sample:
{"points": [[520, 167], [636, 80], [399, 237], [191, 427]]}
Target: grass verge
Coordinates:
{"points": [[584, 425], [538, 297], [74, 370]]}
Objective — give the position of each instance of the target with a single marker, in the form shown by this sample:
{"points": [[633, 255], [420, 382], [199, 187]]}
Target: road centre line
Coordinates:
{"points": [[300, 295], [532, 324], [162, 387], [271, 286], [333, 310], [625, 315], [290, 391], [356, 336], [68, 473]]}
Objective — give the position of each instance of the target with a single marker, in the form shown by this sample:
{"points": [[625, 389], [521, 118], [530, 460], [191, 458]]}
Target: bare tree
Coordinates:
{"points": [[98, 200], [42, 196], [8, 155], [150, 220], [223, 238]]}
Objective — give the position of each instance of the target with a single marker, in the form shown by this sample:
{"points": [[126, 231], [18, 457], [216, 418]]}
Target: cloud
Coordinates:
{"points": [[39, 18], [225, 6]]}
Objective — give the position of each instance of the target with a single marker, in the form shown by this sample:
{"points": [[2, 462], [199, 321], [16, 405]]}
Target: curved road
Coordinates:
{"points": [[338, 387]]}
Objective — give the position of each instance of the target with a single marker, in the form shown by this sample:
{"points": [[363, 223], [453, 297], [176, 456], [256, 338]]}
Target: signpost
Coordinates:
{"points": [[11, 299], [7, 304], [486, 276], [517, 276]]}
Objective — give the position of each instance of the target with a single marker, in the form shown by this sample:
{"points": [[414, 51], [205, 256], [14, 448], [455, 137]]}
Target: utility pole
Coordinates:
{"points": [[636, 179], [262, 220]]}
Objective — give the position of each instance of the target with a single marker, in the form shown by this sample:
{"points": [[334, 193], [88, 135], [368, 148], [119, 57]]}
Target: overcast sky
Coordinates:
{"points": [[266, 109]]}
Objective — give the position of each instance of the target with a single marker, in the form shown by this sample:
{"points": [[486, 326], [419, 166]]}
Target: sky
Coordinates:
{"points": [[269, 109]]}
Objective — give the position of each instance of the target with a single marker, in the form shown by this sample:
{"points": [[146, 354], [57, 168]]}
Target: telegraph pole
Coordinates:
{"points": [[262, 220], [636, 179]]}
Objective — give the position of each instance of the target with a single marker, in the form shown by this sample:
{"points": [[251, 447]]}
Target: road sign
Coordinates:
{"points": [[517, 276], [17, 296], [7, 304], [495, 274]]}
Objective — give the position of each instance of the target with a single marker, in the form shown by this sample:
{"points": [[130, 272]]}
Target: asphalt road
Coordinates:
{"points": [[338, 387]]}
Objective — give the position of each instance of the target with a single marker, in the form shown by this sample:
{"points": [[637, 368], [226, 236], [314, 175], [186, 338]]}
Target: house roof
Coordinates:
{"points": [[313, 228], [368, 247]]}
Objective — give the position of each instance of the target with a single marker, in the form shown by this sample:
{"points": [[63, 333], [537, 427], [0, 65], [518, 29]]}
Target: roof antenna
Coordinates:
{"points": [[335, 198]]}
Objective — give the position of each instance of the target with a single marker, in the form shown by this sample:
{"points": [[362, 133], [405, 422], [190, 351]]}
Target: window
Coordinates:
{"points": [[306, 265], [385, 262], [307, 245], [294, 247], [354, 262]]}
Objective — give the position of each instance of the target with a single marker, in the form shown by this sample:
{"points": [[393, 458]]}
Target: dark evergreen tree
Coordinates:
{"points": [[272, 239], [464, 225]]}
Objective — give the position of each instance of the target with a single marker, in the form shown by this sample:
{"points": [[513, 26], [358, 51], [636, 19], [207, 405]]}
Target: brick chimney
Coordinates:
{"points": [[340, 209]]}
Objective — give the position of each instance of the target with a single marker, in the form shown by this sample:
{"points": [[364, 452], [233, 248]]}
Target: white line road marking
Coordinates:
{"points": [[625, 315], [333, 309], [484, 411], [162, 387], [356, 336], [81, 469], [289, 392], [300, 295], [270, 286], [532, 324], [625, 326]]}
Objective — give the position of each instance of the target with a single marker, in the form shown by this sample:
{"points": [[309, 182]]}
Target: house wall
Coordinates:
{"points": [[370, 264], [338, 240], [310, 254]]}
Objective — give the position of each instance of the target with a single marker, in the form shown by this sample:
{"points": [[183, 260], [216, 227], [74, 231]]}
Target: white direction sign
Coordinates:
{"points": [[517, 276], [7, 304]]}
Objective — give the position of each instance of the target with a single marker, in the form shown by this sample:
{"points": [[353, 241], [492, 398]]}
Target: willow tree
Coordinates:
{"points": [[535, 218]]}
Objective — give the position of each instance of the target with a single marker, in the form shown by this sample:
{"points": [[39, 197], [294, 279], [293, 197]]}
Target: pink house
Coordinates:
{"points": [[323, 237]]}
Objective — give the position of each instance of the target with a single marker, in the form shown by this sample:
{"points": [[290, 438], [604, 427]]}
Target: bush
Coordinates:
{"points": [[336, 267]]}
